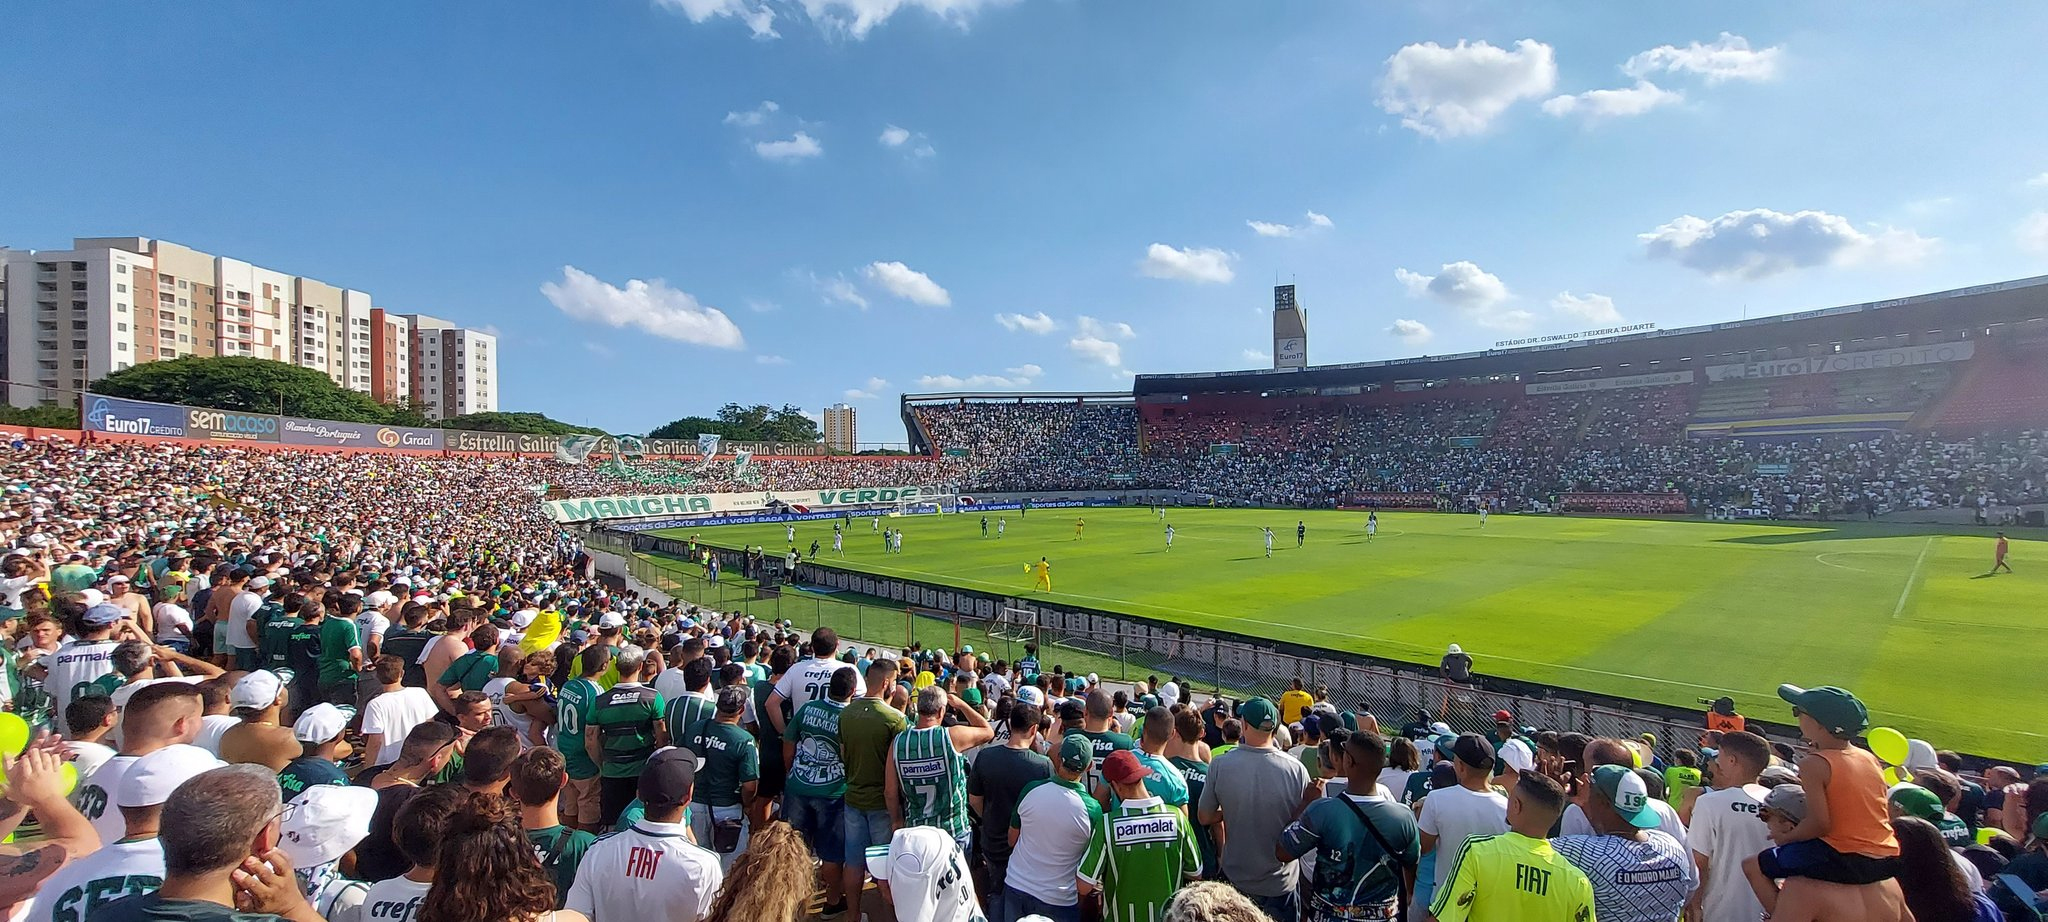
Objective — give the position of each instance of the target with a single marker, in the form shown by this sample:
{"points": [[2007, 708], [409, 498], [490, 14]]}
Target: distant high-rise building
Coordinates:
{"points": [[390, 357], [1290, 329], [840, 429], [454, 370]]}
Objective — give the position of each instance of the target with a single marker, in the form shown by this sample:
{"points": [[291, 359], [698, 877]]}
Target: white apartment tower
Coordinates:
{"points": [[454, 371]]}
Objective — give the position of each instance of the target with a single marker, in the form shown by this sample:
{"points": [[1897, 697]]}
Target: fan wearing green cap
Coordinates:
{"points": [[1845, 836], [1638, 871], [1913, 800]]}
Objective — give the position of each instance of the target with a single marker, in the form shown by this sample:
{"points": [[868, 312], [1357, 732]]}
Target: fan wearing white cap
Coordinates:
{"points": [[317, 829], [211, 825], [157, 716], [261, 738], [82, 660], [135, 863], [322, 749]]}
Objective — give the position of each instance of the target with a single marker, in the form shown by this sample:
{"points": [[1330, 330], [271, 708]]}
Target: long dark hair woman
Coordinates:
{"points": [[487, 871], [1931, 880]]}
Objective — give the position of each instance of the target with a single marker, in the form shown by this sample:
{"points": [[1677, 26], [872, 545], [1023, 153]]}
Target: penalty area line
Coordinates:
{"points": [[1911, 578]]}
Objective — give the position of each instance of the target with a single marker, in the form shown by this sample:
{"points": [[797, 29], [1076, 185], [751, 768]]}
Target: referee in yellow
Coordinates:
{"points": [[1516, 876], [1044, 575]]}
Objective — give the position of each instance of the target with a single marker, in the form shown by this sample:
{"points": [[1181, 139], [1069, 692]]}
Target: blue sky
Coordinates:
{"points": [[605, 183]]}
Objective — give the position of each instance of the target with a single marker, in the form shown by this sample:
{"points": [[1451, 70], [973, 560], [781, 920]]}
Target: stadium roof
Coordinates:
{"points": [[1962, 312], [1020, 396]]}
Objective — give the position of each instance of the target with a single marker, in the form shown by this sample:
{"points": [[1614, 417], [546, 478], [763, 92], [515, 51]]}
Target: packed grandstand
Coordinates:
{"points": [[364, 685]]}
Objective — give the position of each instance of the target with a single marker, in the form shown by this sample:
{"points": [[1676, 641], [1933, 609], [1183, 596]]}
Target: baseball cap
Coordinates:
{"points": [[322, 722], [612, 619], [116, 578], [104, 614], [1503, 717], [1836, 709], [152, 778], [1453, 649], [1123, 767], [92, 599], [258, 689], [1444, 743], [1914, 800], [1440, 729], [669, 777], [324, 822], [1473, 749], [579, 636], [1517, 755], [1259, 714], [259, 582], [1030, 695], [1076, 752], [1788, 801], [523, 618], [1624, 789]]}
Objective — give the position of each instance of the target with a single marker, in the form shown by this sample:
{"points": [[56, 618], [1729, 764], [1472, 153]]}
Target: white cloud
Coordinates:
{"points": [[1411, 331], [770, 360], [759, 306], [1598, 104], [1099, 341], [1257, 356], [849, 18], [893, 136], [760, 19], [907, 283], [1021, 376], [837, 288], [1320, 220], [1474, 292], [755, 116], [1189, 265], [1726, 58], [901, 139], [800, 147], [868, 391], [1759, 242], [1589, 307], [2038, 182], [1267, 229], [651, 306], [1037, 323], [1450, 92], [598, 349], [2033, 233]]}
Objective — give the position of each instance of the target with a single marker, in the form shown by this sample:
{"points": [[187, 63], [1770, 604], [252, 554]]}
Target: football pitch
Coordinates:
{"points": [[1666, 611]]}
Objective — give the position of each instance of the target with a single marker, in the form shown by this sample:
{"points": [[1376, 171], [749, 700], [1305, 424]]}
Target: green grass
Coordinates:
{"points": [[1654, 610]]}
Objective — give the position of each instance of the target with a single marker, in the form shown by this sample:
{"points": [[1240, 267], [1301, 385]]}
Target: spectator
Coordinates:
{"points": [[1725, 831], [583, 807], [726, 778], [1639, 874], [487, 760], [1047, 838], [924, 876], [1515, 875], [695, 708], [1845, 796], [1451, 815], [487, 873], [417, 831], [1294, 702], [426, 751], [927, 780], [1000, 776], [1251, 796], [1366, 846], [1930, 879], [134, 862], [319, 731], [866, 729], [393, 712], [1164, 780], [538, 778], [1785, 809], [1139, 852], [221, 854], [1615, 752], [157, 716], [652, 862], [1909, 799], [627, 719], [772, 880], [1212, 902], [260, 736], [813, 800], [317, 831]]}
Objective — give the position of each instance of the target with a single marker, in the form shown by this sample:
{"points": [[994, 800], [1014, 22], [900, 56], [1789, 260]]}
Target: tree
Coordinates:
{"points": [[62, 416], [525, 423], [249, 385], [757, 423], [688, 428]]}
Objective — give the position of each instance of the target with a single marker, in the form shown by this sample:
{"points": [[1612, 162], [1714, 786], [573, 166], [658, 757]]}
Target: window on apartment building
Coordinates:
{"points": [[122, 327], [121, 287], [181, 283], [78, 344], [78, 363], [123, 308], [77, 286], [170, 353], [118, 267], [183, 303], [118, 366], [183, 338], [78, 325]]}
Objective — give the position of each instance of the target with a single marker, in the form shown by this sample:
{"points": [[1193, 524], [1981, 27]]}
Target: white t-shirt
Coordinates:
{"points": [[503, 715], [372, 623], [89, 882], [1394, 779], [75, 663], [1726, 829], [1576, 824], [1455, 814], [211, 728], [394, 714], [170, 616], [649, 864], [670, 683], [807, 681], [12, 588], [1052, 834], [394, 900], [928, 879], [1634, 880], [239, 612], [88, 757], [95, 797]]}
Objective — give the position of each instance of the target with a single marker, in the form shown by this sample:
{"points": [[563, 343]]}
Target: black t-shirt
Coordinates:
{"points": [[999, 776], [1970, 806], [304, 656], [152, 907], [1458, 667], [377, 856], [407, 645]]}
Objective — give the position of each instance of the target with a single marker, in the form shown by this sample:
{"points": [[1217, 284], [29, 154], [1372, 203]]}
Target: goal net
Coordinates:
{"points": [[1014, 624]]}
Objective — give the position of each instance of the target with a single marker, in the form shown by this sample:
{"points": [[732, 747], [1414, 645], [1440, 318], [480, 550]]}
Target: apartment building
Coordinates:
{"points": [[111, 302], [454, 370], [840, 431]]}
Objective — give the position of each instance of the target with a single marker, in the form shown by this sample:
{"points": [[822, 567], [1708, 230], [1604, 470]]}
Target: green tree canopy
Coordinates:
{"points": [[757, 423], [527, 423], [51, 417], [250, 385]]}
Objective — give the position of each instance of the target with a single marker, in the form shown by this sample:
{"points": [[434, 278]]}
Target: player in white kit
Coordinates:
{"points": [[838, 544], [1169, 537], [1269, 542]]}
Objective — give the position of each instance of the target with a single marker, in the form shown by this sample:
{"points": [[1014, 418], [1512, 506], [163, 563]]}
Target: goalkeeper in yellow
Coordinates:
{"points": [[1044, 575]]}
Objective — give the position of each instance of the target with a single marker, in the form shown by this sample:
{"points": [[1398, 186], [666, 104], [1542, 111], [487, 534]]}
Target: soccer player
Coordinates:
{"points": [[838, 543], [1300, 533], [1078, 524], [1372, 525], [1001, 523], [1044, 574], [814, 548], [1169, 537], [1482, 513], [789, 533], [1269, 540], [875, 523], [984, 526], [1998, 556], [898, 540]]}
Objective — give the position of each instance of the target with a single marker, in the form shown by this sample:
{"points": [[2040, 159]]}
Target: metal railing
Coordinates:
{"points": [[887, 613]]}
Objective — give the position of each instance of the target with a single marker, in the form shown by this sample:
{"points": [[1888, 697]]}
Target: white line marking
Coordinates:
{"points": [[1822, 559], [1911, 578]]}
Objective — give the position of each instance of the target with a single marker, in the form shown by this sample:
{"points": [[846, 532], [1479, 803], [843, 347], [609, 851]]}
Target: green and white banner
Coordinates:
{"points": [[647, 505]]}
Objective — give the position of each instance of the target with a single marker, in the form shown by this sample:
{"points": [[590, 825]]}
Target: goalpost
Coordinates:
{"points": [[1015, 624]]}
